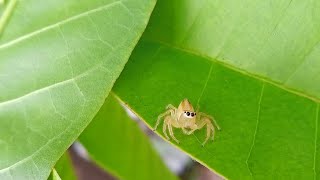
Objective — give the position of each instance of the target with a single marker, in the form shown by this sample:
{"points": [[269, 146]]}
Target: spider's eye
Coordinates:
{"points": [[195, 113], [188, 114], [192, 114]]}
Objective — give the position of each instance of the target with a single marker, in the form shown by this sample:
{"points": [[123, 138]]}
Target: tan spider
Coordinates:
{"points": [[184, 117]]}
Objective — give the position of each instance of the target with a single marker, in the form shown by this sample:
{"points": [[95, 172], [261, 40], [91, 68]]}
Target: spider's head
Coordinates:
{"points": [[189, 114], [187, 109]]}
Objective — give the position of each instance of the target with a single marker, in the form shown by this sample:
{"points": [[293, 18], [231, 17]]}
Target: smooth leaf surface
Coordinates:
{"points": [[267, 132], [252, 65], [277, 40], [58, 62], [118, 145]]}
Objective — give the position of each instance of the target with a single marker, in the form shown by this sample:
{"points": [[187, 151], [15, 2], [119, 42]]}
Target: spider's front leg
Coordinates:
{"points": [[171, 111], [170, 106], [210, 128]]}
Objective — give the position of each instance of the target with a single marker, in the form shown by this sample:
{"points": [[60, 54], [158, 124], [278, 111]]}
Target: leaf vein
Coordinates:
{"points": [[29, 157], [26, 36], [205, 84], [71, 80], [256, 129], [26, 159], [99, 34]]}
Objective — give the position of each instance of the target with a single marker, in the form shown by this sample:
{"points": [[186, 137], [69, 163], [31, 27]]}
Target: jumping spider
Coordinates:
{"points": [[185, 117]]}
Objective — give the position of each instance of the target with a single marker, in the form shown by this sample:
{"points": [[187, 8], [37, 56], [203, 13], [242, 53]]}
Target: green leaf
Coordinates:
{"points": [[267, 132], [256, 73], [252, 65], [59, 60], [275, 41], [64, 167], [55, 175], [117, 144]]}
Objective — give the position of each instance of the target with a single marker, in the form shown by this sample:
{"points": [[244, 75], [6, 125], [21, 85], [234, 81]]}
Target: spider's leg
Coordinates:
{"points": [[173, 111], [211, 118], [201, 122], [210, 127], [168, 119], [170, 106], [213, 130], [208, 135], [164, 129], [162, 116]]}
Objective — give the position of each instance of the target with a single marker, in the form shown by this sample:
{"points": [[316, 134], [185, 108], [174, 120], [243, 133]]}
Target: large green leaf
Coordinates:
{"points": [[116, 143], [207, 51], [274, 40], [58, 62], [267, 132]]}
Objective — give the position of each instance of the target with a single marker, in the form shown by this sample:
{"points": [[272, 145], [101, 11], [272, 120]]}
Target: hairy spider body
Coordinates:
{"points": [[185, 117]]}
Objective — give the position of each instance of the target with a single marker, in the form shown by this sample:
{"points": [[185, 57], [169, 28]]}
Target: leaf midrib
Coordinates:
{"points": [[57, 24], [242, 71]]}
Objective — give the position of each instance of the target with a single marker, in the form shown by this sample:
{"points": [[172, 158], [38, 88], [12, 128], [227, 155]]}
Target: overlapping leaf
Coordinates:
{"points": [[58, 62]]}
